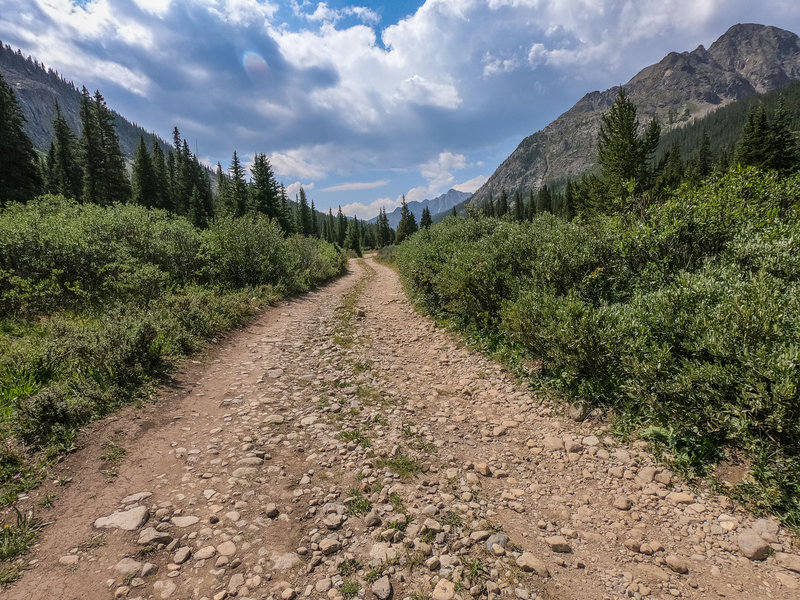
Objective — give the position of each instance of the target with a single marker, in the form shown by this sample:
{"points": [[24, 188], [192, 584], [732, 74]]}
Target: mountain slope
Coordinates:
{"points": [[436, 205], [682, 87], [38, 89]]}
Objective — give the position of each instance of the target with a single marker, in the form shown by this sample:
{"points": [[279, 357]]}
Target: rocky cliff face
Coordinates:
{"points": [[38, 89], [746, 60]]}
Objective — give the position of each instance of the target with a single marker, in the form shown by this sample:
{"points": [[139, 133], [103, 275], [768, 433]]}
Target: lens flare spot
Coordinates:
{"points": [[255, 65]]}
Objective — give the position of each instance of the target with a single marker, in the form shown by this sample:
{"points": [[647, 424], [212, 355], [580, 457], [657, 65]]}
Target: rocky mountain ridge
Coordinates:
{"points": [[38, 89], [746, 60], [436, 205]]}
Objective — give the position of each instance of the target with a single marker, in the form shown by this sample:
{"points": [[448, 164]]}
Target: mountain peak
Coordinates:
{"points": [[747, 59]]}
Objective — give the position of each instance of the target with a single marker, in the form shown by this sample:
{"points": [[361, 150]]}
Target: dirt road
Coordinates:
{"points": [[342, 446]]}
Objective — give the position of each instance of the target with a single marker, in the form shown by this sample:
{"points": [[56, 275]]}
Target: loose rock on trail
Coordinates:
{"points": [[342, 446]]}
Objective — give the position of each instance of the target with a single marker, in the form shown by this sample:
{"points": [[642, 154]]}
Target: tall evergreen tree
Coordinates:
{"points": [[265, 190], [64, 175], [143, 178], [351, 238], [519, 207], [425, 220], [569, 201], [407, 225], [236, 200], [115, 184], [160, 176], [330, 222], [755, 145], [314, 221], [622, 152], [91, 151], [784, 154], [341, 227], [455, 212], [501, 209], [20, 177], [544, 200], [305, 225], [285, 218]]}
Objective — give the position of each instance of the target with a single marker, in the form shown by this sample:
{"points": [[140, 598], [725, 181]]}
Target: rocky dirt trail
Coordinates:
{"points": [[344, 447]]}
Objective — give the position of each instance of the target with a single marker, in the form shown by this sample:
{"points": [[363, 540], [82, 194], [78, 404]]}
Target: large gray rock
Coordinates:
{"points": [[128, 520], [128, 566], [382, 589], [530, 564], [151, 536], [753, 545]]}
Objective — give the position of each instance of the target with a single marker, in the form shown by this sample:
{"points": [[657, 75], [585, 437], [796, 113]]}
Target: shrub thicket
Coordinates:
{"points": [[682, 320], [97, 301]]}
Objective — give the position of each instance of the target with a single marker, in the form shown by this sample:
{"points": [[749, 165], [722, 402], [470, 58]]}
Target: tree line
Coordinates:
{"points": [[631, 171], [92, 169]]}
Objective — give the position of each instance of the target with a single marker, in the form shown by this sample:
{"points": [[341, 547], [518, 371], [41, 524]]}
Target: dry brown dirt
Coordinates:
{"points": [[342, 445]]}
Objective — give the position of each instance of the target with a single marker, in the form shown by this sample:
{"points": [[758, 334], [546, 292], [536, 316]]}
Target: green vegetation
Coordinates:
{"points": [[96, 303], [349, 589], [15, 539], [402, 464], [358, 504], [682, 319]]}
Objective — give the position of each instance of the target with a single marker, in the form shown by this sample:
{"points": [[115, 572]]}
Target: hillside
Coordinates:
{"points": [[748, 59], [438, 205], [39, 88]]}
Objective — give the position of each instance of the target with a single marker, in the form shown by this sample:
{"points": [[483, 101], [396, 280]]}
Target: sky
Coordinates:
{"points": [[362, 103]]}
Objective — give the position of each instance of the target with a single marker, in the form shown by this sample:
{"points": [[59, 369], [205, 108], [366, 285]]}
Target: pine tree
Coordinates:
{"points": [[544, 200], [408, 223], [20, 177], [91, 151], [755, 146], [455, 212], [314, 221], [341, 227], [351, 239], [569, 201], [784, 154], [305, 225], [519, 208], [64, 175], [161, 199], [236, 200], [114, 183], [330, 223], [285, 217], [425, 220], [502, 205], [265, 191], [622, 153], [143, 178]]}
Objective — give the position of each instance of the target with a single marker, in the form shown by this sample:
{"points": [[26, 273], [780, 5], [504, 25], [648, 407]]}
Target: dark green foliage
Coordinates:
{"points": [[124, 291], [64, 175], [425, 220], [682, 320], [105, 179], [351, 238], [143, 181], [235, 199], [407, 225], [622, 151], [20, 179], [305, 225], [384, 234]]}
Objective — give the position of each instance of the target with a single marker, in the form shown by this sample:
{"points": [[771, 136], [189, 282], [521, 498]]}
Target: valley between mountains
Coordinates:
{"points": [[342, 446]]}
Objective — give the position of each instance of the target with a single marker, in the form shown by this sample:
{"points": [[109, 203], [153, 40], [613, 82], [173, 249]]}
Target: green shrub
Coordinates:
{"points": [[683, 320]]}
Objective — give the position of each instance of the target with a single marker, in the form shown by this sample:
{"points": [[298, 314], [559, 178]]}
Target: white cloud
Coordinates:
{"points": [[471, 185], [356, 185], [155, 7], [294, 163], [438, 172], [367, 211], [293, 189]]}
